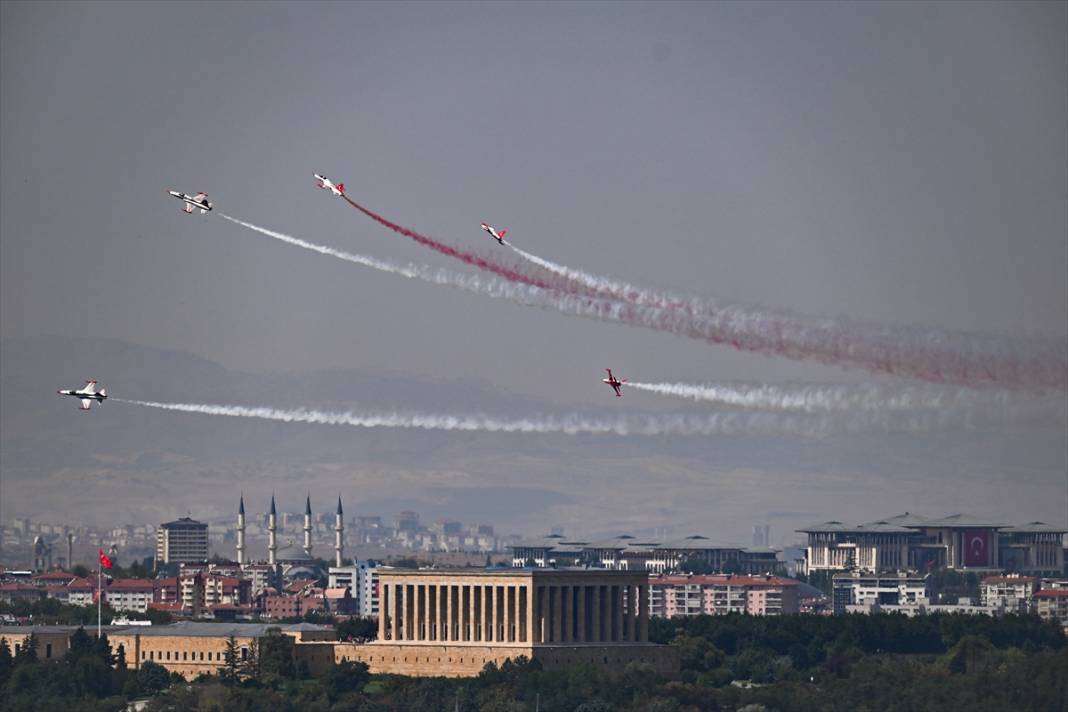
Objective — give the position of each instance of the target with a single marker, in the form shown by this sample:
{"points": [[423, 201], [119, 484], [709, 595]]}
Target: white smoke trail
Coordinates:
{"points": [[720, 423], [584, 305], [864, 397]]}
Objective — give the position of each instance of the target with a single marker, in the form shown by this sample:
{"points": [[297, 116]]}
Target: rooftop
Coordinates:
{"points": [[183, 522]]}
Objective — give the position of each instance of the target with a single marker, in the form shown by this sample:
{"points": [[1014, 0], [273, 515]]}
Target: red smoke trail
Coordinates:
{"points": [[508, 273], [905, 351]]}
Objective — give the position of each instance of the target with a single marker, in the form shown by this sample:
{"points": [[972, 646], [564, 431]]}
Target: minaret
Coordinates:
{"points": [[241, 531], [339, 535], [307, 527], [272, 535]]}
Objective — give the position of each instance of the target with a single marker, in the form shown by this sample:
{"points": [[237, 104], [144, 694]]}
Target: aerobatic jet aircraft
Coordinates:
{"points": [[200, 200], [498, 236], [614, 382], [87, 394], [325, 184]]}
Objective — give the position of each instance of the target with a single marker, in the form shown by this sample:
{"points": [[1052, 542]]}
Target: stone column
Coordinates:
{"points": [[643, 613], [448, 613], [392, 588], [517, 614], [470, 612], [424, 629], [486, 616], [509, 616], [528, 616], [439, 612], [494, 621], [417, 615], [383, 608]]}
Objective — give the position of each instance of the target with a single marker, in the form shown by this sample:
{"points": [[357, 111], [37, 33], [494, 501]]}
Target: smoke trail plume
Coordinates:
{"points": [[470, 258], [722, 423], [604, 286], [1001, 404], [526, 294], [925, 354]]}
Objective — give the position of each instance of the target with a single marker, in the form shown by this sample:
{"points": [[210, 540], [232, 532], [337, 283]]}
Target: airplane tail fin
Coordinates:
{"points": [[502, 233], [103, 392], [341, 187]]}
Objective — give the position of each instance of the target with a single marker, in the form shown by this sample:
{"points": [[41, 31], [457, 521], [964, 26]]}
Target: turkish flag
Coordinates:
{"points": [[104, 560], [976, 547]]}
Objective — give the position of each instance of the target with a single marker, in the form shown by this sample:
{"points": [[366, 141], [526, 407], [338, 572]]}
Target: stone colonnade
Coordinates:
{"points": [[526, 612]]}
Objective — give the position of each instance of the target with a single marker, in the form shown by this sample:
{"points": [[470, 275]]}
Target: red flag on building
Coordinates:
{"points": [[104, 560]]}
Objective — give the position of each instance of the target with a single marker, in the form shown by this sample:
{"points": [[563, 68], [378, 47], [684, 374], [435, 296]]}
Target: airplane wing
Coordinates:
{"points": [[90, 387], [199, 197], [188, 208], [86, 403]]}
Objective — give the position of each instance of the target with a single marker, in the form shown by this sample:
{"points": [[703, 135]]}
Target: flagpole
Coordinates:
{"points": [[99, 594]]}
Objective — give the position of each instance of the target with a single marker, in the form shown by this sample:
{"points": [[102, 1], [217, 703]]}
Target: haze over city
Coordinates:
{"points": [[894, 164]]}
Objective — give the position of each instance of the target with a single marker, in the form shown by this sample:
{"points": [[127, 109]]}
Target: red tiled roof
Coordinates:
{"points": [[724, 579], [81, 585], [173, 606], [18, 587], [54, 576], [1051, 593], [132, 585], [1009, 579]]}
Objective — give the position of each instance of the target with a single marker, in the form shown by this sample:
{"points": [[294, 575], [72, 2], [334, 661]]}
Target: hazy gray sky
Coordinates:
{"points": [[902, 162]]}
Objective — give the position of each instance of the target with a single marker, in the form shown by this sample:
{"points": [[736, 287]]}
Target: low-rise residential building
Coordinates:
{"points": [[1008, 593], [1051, 603], [691, 595], [867, 591], [129, 594]]}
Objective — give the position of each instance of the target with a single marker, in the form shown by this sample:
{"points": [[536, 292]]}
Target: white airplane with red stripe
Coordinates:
{"points": [[200, 200], [498, 236], [326, 184], [87, 394], [614, 382]]}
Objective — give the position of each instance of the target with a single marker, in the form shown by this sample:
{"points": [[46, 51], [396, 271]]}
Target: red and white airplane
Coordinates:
{"points": [[200, 200], [325, 184], [498, 236], [87, 394], [614, 382]]}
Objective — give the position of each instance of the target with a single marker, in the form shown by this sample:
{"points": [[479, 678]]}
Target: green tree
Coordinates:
{"points": [[152, 677], [6, 661], [358, 629], [277, 654], [345, 678], [27, 653], [231, 660]]}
